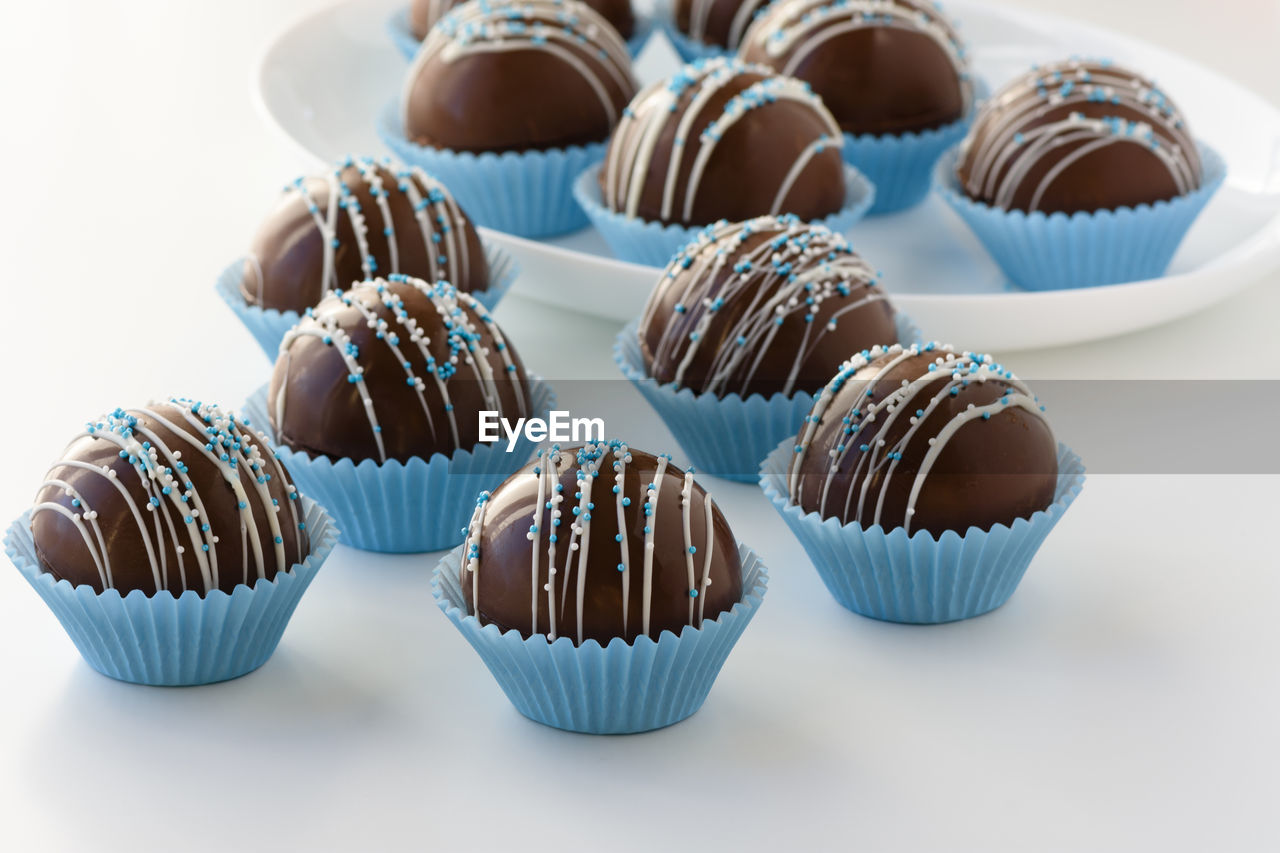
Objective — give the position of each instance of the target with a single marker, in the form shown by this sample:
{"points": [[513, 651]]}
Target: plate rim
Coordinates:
{"points": [[1242, 265]]}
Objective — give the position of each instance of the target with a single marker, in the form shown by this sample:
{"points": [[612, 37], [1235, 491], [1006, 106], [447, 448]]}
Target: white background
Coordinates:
{"points": [[1125, 698]]}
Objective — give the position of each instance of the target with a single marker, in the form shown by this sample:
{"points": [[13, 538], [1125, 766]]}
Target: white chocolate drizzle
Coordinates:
{"points": [[916, 398], [590, 463], [681, 101], [1015, 137], [382, 309], [700, 15], [179, 510], [797, 28], [572, 32], [441, 222], [786, 277]]}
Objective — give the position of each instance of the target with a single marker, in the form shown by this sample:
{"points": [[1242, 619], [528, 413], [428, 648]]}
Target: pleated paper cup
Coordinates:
{"points": [[689, 49], [403, 507], [901, 165], [407, 43], [1059, 251], [921, 579], [181, 640], [527, 193], [727, 436], [641, 241], [268, 326], [640, 35], [619, 688], [401, 33]]}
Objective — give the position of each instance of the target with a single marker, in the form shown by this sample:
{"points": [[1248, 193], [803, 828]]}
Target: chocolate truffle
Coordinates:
{"points": [[392, 369], [721, 23], [924, 438], [360, 220], [596, 542], [724, 140], [515, 75], [768, 306], [423, 15], [174, 496], [1076, 136], [880, 66]]}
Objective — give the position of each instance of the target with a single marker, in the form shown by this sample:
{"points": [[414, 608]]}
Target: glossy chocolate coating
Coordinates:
{"points": [[133, 540], [989, 471], [721, 23], [423, 14], [286, 268], [711, 323], [1078, 135], [479, 85], [875, 78], [503, 571], [741, 172], [317, 409]]}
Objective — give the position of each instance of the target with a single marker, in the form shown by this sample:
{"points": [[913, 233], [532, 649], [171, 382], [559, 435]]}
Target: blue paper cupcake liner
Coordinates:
{"points": [[402, 34], [917, 578], [527, 193], [403, 507], [688, 49], [901, 165], [728, 436], [641, 241], [407, 43], [1057, 251], [640, 35], [168, 640], [267, 325], [620, 688]]}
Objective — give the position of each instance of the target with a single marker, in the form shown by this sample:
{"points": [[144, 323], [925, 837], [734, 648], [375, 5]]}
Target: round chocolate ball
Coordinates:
{"points": [[880, 66], [392, 369], [423, 14], [767, 306], [1078, 135], [170, 497], [720, 23], [517, 75], [362, 219], [724, 140], [924, 438], [597, 542]]}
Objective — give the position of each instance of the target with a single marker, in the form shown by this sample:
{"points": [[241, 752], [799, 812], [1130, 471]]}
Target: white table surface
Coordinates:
{"points": [[1126, 698]]}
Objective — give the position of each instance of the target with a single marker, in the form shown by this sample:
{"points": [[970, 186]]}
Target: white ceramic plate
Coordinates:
{"points": [[323, 81]]}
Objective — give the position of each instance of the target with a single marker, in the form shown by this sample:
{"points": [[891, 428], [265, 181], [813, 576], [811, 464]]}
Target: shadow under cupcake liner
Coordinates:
{"points": [[407, 43], [641, 241], [901, 165], [619, 688], [919, 579], [168, 640], [727, 436], [268, 325], [1059, 251], [403, 507], [527, 193]]}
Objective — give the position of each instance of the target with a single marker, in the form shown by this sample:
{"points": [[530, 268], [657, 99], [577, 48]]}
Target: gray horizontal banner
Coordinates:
{"points": [[1116, 426]]}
